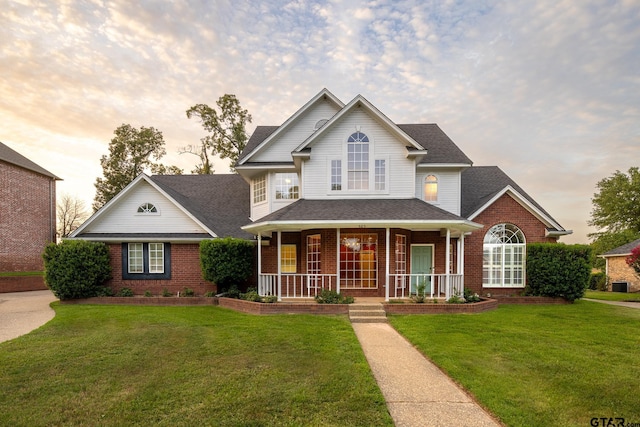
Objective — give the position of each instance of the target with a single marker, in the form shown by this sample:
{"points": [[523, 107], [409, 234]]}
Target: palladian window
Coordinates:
{"points": [[358, 161], [503, 257]]}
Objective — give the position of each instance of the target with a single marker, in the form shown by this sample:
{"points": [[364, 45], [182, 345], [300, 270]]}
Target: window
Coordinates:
{"points": [[336, 175], [358, 162], [401, 254], [147, 208], [313, 254], [503, 257], [431, 188], [146, 261], [359, 260], [380, 175], [259, 189], [286, 186], [288, 259]]}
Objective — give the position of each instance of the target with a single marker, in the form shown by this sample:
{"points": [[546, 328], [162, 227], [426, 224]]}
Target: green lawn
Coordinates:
{"points": [[548, 365], [612, 296], [132, 365]]}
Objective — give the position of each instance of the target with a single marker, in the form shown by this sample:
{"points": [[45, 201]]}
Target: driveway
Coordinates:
{"points": [[22, 312]]}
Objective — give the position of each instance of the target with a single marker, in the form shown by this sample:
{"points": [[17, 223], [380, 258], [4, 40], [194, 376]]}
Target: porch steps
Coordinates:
{"points": [[367, 313]]}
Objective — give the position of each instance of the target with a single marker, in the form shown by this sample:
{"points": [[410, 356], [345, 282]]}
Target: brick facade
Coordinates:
{"points": [[27, 217], [619, 271]]}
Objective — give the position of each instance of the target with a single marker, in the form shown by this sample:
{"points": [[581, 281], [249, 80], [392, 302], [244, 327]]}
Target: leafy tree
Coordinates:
{"points": [[204, 167], [226, 126], [616, 205], [70, 213], [226, 262], [131, 152]]}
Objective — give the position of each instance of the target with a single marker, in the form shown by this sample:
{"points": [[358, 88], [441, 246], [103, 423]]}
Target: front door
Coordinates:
{"points": [[421, 267]]}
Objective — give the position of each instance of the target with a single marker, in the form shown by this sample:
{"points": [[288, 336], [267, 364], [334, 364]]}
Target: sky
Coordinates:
{"points": [[549, 91]]}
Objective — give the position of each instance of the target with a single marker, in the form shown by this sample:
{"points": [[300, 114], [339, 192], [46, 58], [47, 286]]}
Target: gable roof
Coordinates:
{"points": [[13, 157], [411, 213], [221, 202], [623, 250], [218, 203], [324, 94], [482, 185], [440, 148]]}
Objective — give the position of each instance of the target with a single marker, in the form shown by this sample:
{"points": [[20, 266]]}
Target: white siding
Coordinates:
{"points": [[123, 216], [448, 188], [382, 145], [280, 148]]}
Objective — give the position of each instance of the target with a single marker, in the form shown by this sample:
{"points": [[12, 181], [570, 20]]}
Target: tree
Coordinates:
{"points": [[616, 205], [70, 212], [227, 127], [204, 167], [130, 153], [226, 262]]}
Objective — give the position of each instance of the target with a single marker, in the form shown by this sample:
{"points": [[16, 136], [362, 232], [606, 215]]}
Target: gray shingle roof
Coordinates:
{"points": [[11, 156], [440, 148], [260, 134], [624, 249], [481, 183], [360, 209], [221, 202]]}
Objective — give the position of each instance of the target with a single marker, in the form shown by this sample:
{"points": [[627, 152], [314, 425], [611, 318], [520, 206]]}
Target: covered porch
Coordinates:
{"points": [[414, 247]]}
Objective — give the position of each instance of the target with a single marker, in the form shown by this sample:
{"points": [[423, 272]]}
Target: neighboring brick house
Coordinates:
{"points": [[339, 197], [27, 216], [620, 276]]}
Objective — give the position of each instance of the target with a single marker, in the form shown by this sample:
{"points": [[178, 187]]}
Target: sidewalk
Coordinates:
{"points": [[22, 312], [618, 303], [416, 391]]}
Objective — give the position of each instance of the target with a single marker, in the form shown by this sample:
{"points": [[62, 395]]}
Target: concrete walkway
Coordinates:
{"points": [[22, 312], [416, 391], [618, 303]]}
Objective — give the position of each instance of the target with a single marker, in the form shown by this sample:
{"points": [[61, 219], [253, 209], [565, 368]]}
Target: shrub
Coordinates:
{"points": [[125, 292], [232, 292], [187, 292], [226, 261], [105, 291], [470, 296], [76, 268], [332, 297], [456, 299], [148, 294], [166, 293], [270, 299], [633, 260], [251, 295], [558, 270], [209, 294], [419, 297], [598, 281]]}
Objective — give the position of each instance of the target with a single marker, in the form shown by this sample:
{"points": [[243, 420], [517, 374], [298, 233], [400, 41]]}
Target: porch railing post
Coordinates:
{"points": [[447, 262], [259, 262], [338, 260], [386, 291]]}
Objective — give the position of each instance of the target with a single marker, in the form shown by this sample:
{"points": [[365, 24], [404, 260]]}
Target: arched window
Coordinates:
{"points": [[431, 188], [503, 257], [147, 208], [358, 161]]}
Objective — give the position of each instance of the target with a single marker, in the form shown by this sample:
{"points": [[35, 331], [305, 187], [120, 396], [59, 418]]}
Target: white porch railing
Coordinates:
{"points": [[405, 285], [402, 285], [296, 285]]}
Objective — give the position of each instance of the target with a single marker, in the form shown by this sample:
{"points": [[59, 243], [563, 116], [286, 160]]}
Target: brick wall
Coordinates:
{"points": [[504, 210], [27, 218], [22, 284], [619, 271]]}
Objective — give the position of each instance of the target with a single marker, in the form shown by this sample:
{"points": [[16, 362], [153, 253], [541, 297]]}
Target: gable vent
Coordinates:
{"points": [[320, 123]]}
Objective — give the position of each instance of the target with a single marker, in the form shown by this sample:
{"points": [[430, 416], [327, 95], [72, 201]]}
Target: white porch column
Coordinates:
{"points": [[386, 290], [447, 262], [337, 260], [260, 264], [461, 256], [279, 265]]}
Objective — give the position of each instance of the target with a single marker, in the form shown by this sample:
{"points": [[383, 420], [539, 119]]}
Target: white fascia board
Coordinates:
{"points": [[523, 202], [444, 165], [323, 94], [144, 239], [261, 227], [355, 102], [107, 207]]}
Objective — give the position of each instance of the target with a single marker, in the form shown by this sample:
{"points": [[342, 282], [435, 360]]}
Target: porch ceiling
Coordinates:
{"points": [[412, 214]]}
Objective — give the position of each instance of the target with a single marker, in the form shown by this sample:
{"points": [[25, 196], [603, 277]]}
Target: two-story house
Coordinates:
{"points": [[339, 197]]}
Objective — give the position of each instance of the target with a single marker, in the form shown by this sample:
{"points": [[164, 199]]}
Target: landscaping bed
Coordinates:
{"points": [[440, 307]]}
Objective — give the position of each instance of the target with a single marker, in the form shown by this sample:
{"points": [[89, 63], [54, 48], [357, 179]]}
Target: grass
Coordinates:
{"points": [[613, 296], [549, 365], [124, 365]]}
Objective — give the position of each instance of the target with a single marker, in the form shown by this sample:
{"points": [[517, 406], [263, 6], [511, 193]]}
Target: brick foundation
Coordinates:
{"points": [[440, 308]]}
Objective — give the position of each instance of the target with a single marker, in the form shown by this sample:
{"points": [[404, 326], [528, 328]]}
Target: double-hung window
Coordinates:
{"points": [[146, 260]]}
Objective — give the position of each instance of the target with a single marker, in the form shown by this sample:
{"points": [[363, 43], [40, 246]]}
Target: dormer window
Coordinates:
{"points": [[431, 188], [146, 208]]}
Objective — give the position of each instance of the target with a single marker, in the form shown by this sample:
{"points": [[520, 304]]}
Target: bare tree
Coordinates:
{"points": [[71, 213]]}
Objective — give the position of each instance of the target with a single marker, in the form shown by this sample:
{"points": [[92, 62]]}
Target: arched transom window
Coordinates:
{"points": [[431, 188], [503, 257], [147, 208], [358, 161]]}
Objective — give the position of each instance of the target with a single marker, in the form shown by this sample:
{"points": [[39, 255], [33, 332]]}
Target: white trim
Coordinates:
{"points": [[443, 165], [323, 94], [519, 198], [108, 206]]}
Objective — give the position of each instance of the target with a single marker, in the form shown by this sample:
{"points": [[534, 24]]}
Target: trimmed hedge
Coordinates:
{"points": [[76, 268], [226, 261], [558, 270]]}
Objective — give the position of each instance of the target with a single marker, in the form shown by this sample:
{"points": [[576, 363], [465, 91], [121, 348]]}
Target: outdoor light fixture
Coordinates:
{"points": [[352, 243]]}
